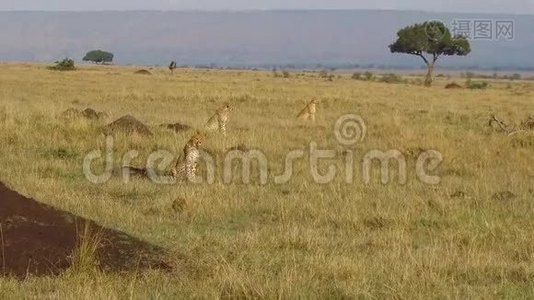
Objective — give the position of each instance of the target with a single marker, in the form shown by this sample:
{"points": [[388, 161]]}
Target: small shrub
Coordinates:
{"points": [[368, 76], [357, 76], [65, 65], [286, 74], [515, 76], [416, 81], [323, 74], [391, 78], [476, 85]]}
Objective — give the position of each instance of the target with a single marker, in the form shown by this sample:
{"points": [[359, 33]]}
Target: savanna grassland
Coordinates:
{"points": [[456, 239]]}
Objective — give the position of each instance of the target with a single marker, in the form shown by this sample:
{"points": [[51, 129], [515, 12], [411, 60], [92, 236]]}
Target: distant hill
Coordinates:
{"points": [[250, 38]]}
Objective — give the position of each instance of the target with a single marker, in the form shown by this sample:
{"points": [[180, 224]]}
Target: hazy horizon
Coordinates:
{"points": [[253, 39]]}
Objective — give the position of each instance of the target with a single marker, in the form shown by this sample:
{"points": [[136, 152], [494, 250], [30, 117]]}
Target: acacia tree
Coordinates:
{"points": [[432, 38], [98, 56]]}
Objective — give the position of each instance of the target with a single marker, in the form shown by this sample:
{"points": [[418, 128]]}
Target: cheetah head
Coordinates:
{"points": [[226, 108], [197, 139]]}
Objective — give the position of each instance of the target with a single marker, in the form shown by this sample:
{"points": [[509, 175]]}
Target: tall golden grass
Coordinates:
{"points": [[299, 239]]}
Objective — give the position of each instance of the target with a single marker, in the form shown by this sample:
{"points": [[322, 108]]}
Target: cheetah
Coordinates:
{"points": [[219, 119], [308, 113], [187, 165]]}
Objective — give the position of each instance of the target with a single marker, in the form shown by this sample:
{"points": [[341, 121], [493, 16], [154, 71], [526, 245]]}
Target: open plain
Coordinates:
{"points": [[468, 236]]}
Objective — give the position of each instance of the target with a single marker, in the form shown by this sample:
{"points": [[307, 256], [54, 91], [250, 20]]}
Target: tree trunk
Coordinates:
{"points": [[428, 79]]}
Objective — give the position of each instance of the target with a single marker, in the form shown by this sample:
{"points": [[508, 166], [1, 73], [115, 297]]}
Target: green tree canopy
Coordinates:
{"points": [[98, 56], [432, 38]]}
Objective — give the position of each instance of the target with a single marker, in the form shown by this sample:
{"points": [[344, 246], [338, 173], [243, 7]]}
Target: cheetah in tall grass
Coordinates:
{"points": [[308, 113], [187, 165], [219, 120]]}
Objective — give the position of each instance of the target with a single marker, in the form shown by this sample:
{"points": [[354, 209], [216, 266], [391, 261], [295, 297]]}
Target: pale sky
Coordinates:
{"points": [[467, 6]]}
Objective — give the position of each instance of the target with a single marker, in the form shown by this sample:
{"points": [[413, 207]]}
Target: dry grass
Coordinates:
{"points": [[300, 239], [85, 256]]}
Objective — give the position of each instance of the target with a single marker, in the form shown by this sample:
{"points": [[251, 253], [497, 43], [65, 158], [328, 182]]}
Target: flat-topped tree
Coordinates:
{"points": [[98, 56], [432, 38]]}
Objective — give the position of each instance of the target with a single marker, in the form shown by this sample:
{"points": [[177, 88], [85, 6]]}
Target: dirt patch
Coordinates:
{"points": [[453, 85], [129, 124], [177, 127], [504, 196], [88, 113], [143, 72], [377, 223], [92, 114], [39, 240]]}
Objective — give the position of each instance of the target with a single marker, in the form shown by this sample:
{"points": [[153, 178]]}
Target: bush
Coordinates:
{"points": [[476, 85], [357, 76], [65, 65], [416, 81], [515, 76], [285, 74], [391, 78], [368, 76], [323, 74]]}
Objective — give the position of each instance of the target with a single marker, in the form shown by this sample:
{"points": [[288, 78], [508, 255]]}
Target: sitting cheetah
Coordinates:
{"points": [[186, 166], [308, 113], [219, 119]]}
